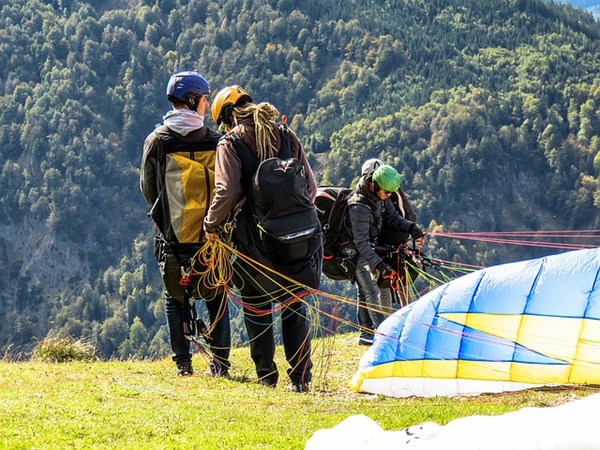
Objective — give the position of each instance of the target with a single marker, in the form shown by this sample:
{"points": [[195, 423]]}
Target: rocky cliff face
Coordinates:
{"points": [[37, 269]]}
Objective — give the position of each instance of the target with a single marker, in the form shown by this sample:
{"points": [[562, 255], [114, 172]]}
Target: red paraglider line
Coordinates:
{"points": [[546, 233], [491, 238]]}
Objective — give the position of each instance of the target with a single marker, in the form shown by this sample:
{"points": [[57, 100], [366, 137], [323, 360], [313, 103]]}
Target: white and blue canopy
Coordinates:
{"points": [[504, 328]]}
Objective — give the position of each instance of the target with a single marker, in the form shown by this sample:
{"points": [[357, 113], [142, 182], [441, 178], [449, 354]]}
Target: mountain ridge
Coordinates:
{"points": [[461, 97], [591, 6]]}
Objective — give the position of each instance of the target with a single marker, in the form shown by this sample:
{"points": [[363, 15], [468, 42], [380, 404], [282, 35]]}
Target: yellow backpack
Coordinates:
{"points": [[186, 193]]}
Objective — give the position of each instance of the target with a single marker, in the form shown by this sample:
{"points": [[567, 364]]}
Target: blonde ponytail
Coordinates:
{"points": [[263, 115]]}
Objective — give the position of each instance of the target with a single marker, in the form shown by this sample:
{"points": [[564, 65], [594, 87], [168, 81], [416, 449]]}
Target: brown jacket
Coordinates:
{"points": [[230, 194]]}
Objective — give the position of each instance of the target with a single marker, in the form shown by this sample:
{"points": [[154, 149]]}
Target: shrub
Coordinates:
{"points": [[57, 350]]}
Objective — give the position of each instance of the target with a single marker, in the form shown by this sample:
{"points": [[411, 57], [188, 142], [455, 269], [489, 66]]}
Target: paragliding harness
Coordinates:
{"points": [[278, 200], [176, 261], [339, 254], [408, 262]]}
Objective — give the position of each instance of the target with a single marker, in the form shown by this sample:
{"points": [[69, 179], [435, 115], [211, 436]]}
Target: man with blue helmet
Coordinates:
{"points": [[189, 89], [177, 179]]}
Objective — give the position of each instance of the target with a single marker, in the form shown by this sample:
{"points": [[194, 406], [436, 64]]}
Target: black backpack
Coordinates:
{"points": [[339, 254], [279, 200]]}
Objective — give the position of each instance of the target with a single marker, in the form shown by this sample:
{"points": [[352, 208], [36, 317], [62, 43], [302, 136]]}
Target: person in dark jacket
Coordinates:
{"points": [[254, 124], [399, 200], [369, 206], [183, 135], [387, 236]]}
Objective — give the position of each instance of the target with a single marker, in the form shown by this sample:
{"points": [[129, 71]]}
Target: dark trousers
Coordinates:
{"points": [[295, 331], [364, 321], [369, 309], [220, 336]]}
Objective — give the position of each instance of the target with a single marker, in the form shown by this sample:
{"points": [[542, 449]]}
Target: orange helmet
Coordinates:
{"points": [[223, 103]]}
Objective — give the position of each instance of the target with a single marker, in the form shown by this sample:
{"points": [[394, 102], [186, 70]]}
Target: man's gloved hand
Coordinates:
{"points": [[386, 274], [385, 270], [416, 232]]}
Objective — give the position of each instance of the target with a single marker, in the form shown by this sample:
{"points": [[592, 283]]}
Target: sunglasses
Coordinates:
{"points": [[379, 188]]}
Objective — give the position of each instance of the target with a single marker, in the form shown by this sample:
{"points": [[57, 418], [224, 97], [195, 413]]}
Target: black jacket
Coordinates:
{"points": [[366, 213]]}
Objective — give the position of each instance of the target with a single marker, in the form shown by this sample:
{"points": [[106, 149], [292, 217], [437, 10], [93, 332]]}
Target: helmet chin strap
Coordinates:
{"points": [[193, 103], [226, 117]]}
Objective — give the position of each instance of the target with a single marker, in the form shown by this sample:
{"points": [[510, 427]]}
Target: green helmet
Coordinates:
{"points": [[387, 178]]}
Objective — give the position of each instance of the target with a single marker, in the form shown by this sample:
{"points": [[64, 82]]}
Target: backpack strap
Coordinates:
{"points": [[285, 152], [250, 161], [160, 163]]}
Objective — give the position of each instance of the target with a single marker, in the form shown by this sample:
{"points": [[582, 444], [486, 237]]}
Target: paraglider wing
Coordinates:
{"points": [[504, 328]]}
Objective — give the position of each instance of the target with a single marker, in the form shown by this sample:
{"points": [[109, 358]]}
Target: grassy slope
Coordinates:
{"points": [[141, 404]]}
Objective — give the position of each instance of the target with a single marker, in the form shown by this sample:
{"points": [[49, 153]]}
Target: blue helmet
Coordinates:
{"points": [[183, 84]]}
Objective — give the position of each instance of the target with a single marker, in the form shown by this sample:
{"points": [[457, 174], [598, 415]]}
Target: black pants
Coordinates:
{"points": [[295, 331], [220, 336], [261, 290], [170, 259]]}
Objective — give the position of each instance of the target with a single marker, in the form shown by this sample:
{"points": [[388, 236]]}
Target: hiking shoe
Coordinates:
{"points": [[269, 380], [185, 369], [220, 373], [268, 383], [365, 340], [300, 388], [211, 374], [217, 370]]}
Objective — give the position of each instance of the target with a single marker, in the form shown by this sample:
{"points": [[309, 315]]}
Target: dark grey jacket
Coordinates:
{"points": [[366, 212]]}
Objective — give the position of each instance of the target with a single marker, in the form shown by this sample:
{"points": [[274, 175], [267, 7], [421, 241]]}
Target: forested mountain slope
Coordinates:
{"points": [[491, 111]]}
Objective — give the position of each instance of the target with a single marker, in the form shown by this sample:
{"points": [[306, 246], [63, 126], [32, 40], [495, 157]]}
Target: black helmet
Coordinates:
{"points": [[370, 166]]}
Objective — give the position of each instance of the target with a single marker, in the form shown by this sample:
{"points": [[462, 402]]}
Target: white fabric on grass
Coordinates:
{"points": [[574, 425]]}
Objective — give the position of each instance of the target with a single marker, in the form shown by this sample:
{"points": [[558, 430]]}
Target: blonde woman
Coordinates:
{"points": [[255, 137]]}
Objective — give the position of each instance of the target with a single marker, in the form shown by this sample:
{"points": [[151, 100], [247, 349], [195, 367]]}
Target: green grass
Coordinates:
{"points": [[143, 405]]}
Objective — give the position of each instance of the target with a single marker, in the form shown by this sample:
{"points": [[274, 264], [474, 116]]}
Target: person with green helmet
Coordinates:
{"points": [[388, 236], [369, 206]]}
